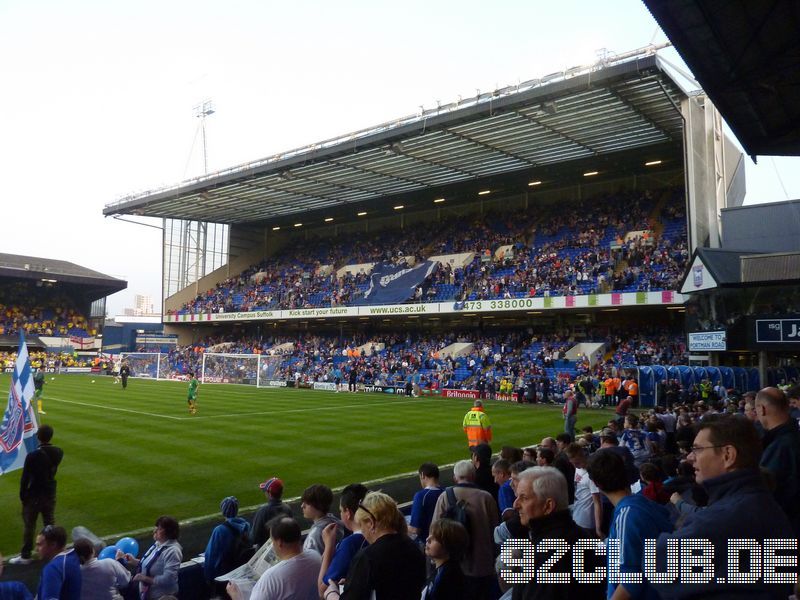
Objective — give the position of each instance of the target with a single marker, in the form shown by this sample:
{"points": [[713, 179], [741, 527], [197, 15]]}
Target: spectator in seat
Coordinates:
{"points": [[781, 455], [100, 579], [725, 455], [273, 490], [478, 563], [220, 551], [157, 570], [315, 504], [295, 576]]}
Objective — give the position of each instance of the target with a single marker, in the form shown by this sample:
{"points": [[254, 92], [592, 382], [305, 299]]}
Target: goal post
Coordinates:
{"points": [[143, 364], [229, 368]]}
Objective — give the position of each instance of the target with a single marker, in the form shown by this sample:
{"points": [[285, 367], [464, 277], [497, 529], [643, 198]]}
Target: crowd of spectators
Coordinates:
{"points": [[47, 360], [716, 469], [618, 242], [50, 315], [397, 359]]}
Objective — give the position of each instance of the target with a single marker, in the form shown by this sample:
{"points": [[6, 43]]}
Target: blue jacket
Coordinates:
{"points": [[781, 457], [635, 520], [220, 545], [61, 578], [739, 507]]}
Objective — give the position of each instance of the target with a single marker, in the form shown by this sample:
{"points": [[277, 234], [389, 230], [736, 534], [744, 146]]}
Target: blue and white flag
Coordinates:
{"points": [[393, 284], [19, 426]]}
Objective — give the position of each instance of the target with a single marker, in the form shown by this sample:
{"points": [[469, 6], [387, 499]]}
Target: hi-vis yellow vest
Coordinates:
{"points": [[478, 427]]}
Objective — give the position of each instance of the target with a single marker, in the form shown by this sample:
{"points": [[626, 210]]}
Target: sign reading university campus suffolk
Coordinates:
{"points": [[468, 308], [780, 331]]}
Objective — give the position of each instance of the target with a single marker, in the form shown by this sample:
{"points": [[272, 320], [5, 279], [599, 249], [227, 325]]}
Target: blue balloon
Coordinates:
{"points": [[128, 545], [108, 552]]}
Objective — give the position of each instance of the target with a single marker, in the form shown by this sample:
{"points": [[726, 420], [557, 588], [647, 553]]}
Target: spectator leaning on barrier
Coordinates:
{"points": [[725, 455]]}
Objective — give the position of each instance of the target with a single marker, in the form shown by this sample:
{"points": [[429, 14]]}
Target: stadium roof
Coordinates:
{"points": [[53, 271], [713, 268], [581, 113], [746, 56]]}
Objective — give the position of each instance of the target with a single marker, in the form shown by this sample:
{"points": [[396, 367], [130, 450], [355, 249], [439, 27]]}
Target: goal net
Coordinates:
{"points": [[229, 368], [144, 364], [269, 371]]}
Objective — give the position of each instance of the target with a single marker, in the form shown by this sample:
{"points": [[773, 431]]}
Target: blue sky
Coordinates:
{"points": [[98, 96]]}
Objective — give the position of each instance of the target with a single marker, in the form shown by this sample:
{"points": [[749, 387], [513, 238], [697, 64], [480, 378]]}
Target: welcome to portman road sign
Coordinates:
{"points": [[468, 308]]}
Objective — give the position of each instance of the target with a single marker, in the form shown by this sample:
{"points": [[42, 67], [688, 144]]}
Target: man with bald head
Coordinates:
{"points": [[781, 455]]}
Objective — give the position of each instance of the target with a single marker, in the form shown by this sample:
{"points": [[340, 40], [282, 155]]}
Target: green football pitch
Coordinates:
{"points": [[132, 455]]}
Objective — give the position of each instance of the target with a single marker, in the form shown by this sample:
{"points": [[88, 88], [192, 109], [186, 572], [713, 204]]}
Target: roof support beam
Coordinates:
{"points": [[346, 188], [552, 129], [295, 194], [619, 96], [362, 169], [428, 161], [505, 153]]}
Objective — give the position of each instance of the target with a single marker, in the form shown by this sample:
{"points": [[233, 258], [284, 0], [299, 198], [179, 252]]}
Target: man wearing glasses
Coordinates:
{"points": [[725, 455]]}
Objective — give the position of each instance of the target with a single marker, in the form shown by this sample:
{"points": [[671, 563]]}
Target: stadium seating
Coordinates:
{"points": [[623, 242]]}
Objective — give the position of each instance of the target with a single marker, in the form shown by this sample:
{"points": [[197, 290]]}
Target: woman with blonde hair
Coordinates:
{"points": [[392, 566]]}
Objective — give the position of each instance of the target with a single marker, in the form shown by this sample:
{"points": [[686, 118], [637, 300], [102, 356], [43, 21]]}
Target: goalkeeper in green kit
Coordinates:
{"points": [[193, 383]]}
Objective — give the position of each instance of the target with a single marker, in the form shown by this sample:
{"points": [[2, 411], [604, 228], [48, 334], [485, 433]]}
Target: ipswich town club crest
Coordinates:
{"points": [[697, 273]]}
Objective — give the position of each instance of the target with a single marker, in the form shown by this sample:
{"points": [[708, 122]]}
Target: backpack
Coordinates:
{"points": [[239, 552], [456, 509]]}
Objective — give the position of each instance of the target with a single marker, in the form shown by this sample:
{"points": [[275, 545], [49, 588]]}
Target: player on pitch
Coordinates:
{"points": [[192, 399]]}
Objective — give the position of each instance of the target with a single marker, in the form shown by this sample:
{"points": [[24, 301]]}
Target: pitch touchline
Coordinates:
{"points": [[127, 410], [297, 410], [250, 414]]}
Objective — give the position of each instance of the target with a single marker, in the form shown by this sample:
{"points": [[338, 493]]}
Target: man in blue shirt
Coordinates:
{"points": [[424, 502], [61, 576], [635, 519]]}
